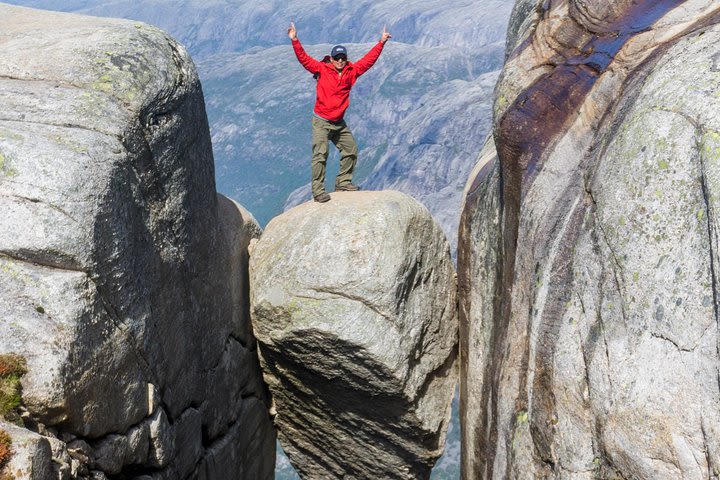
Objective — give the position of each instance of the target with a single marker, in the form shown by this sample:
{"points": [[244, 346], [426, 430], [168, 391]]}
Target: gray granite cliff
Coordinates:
{"points": [[588, 250], [123, 275]]}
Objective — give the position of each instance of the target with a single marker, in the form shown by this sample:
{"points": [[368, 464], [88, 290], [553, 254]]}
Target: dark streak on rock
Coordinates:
{"points": [[338, 293], [54, 82], [544, 415], [539, 114], [52, 206], [86, 128], [533, 123], [54, 260], [712, 237]]}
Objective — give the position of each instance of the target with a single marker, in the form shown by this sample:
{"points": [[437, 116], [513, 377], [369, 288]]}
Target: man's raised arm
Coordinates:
{"points": [[310, 64], [364, 64]]}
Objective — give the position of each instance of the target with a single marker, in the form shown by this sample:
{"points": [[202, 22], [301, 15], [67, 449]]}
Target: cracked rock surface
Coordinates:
{"points": [[354, 307], [123, 275], [594, 353]]}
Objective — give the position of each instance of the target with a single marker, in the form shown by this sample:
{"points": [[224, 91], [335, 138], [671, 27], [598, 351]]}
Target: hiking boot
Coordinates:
{"points": [[322, 197], [348, 187]]}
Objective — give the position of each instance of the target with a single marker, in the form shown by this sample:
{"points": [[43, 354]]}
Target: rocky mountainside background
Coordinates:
{"points": [[420, 115]]}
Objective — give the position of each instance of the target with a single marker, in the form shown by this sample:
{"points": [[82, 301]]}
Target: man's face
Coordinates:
{"points": [[339, 61]]}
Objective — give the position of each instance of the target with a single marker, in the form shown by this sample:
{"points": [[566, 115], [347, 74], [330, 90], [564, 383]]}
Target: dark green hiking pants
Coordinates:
{"points": [[338, 133]]}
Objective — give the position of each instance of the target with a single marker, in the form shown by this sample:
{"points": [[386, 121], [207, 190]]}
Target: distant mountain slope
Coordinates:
{"points": [[215, 26], [260, 106], [260, 99]]}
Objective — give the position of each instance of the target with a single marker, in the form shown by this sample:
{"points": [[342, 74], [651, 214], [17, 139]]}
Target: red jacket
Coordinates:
{"points": [[333, 89]]}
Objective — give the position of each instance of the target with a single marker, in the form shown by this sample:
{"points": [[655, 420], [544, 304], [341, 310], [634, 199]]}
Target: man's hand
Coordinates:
{"points": [[292, 33], [385, 35]]}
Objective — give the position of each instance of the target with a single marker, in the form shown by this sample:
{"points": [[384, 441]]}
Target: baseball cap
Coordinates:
{"points": [[338, 50]]}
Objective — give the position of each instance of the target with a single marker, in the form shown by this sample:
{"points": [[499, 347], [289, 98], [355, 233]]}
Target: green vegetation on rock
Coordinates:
{"points": [[12, 368], [5, 167], [5, 453]]}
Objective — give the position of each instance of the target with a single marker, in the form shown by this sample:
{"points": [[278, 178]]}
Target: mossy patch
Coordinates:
{"points": [[522, 417], [521, 434], [122, 75], [710, 147], [12, 368], [6, 167], [8, 135], [11, 269], [6, 453], [69, 143]]}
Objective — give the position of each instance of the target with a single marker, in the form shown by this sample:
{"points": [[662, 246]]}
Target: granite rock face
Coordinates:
{"points": [[591, 305], [478, 267], [354, 308], [31, 454], [123, 276]]}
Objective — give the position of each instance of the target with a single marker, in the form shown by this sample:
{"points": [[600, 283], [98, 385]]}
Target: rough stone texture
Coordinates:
{"points": [[138, 444], [223, 455], [520, 19], [477, 283], [354, 307], [599, 358], [109, 454], [123, 276], [188, 440], [32, 456]]}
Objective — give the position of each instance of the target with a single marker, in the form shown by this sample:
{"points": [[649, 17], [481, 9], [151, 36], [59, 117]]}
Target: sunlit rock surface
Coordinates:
{"points": [[123, 276], [595, 351], [354, 308]]}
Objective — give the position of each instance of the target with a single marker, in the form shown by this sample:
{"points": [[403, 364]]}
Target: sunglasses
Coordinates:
{"points": [[339, 58]]}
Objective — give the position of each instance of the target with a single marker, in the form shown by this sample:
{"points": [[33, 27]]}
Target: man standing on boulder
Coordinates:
{"points": [[335, 77]]}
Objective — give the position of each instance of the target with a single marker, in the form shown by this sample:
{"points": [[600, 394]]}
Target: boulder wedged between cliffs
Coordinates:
{"points": [[354, 307]]}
